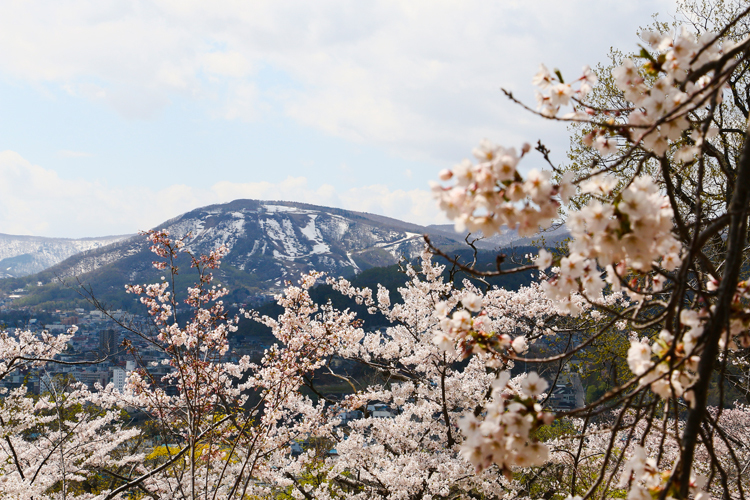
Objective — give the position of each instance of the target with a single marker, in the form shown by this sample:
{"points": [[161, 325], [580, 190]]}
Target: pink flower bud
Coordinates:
{"points": [[445, 174]]}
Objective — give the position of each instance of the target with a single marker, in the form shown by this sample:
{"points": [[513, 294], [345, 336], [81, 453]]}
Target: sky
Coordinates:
{"points": [[118, 115]]}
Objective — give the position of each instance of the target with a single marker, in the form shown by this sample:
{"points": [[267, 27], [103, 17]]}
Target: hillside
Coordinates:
{"points": [[269, 243], [25, 255], [508, 237]]}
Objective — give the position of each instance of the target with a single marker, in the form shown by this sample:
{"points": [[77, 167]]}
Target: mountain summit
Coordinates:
{"points": [[279, 240], [269, 242]]}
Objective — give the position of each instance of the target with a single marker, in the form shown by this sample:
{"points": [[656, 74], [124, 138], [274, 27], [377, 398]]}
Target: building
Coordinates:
{"points": [[380, 410], [91, 378], [567, 393], [118, 379], [108, 341]]}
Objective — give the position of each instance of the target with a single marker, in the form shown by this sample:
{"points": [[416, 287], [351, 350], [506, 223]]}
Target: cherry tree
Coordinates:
{"points": [[232, 425], [644, 235], [638, 263], [421, 452], [55, 444], [225, 424]]}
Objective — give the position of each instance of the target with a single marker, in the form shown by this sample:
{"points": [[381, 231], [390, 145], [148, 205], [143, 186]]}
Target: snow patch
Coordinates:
{"points": [[272, 229], [282, 208], [313, 234], [354, 264], [225, 232], [183, 227], [256, 244], [409, 236], [279, 208], [285, 236], [336, 226], [238, 226]]}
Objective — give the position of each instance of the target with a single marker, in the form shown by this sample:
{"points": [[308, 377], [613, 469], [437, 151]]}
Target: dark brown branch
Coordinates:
{"points": [[720, 315]]}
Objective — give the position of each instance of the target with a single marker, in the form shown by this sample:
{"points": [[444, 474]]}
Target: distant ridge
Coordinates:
{"points": [[269, 243], [507, 238], [24, 255]]}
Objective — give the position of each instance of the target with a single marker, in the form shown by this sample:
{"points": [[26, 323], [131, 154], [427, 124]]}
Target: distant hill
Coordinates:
{"points": [[269, 242], [24, 255], [508, 238]]}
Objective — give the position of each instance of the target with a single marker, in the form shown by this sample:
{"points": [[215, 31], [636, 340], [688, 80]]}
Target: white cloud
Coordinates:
{"points": [[418, 78], [231, 64], [37, 201]]}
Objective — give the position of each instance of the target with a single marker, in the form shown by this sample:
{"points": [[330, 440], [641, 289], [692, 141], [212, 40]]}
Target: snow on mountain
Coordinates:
{"points": [[506, 238], [24, 255], [313, 234], [269, 243]]}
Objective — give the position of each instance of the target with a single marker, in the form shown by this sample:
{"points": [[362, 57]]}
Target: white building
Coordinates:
{"points": [[118, 379]]}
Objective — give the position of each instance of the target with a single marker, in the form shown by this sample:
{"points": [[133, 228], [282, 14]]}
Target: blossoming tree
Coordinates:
{"points": [[54, 445], [224, 423], [421, 451], [647, 235]]}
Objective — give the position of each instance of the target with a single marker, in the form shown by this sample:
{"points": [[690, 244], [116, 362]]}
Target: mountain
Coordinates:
{"points": [[508, 237], [24, 255], [269, 243]]}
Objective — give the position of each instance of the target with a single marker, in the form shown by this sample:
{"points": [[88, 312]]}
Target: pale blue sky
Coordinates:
{"points": [[116, 115]]}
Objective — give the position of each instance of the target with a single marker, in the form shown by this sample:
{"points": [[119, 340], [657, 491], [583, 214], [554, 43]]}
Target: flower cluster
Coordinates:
{"points": [[503, 437], [629, 234], [678, 354], [474, 334], [632, 232], [156, 297], [556, 93], [492, 193], [673, 373], [500, 325], [661, 91], [646, 481]]}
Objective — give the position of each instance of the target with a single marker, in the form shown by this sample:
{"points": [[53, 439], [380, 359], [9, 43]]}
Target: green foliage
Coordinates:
{"points": [[315, 474]]}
